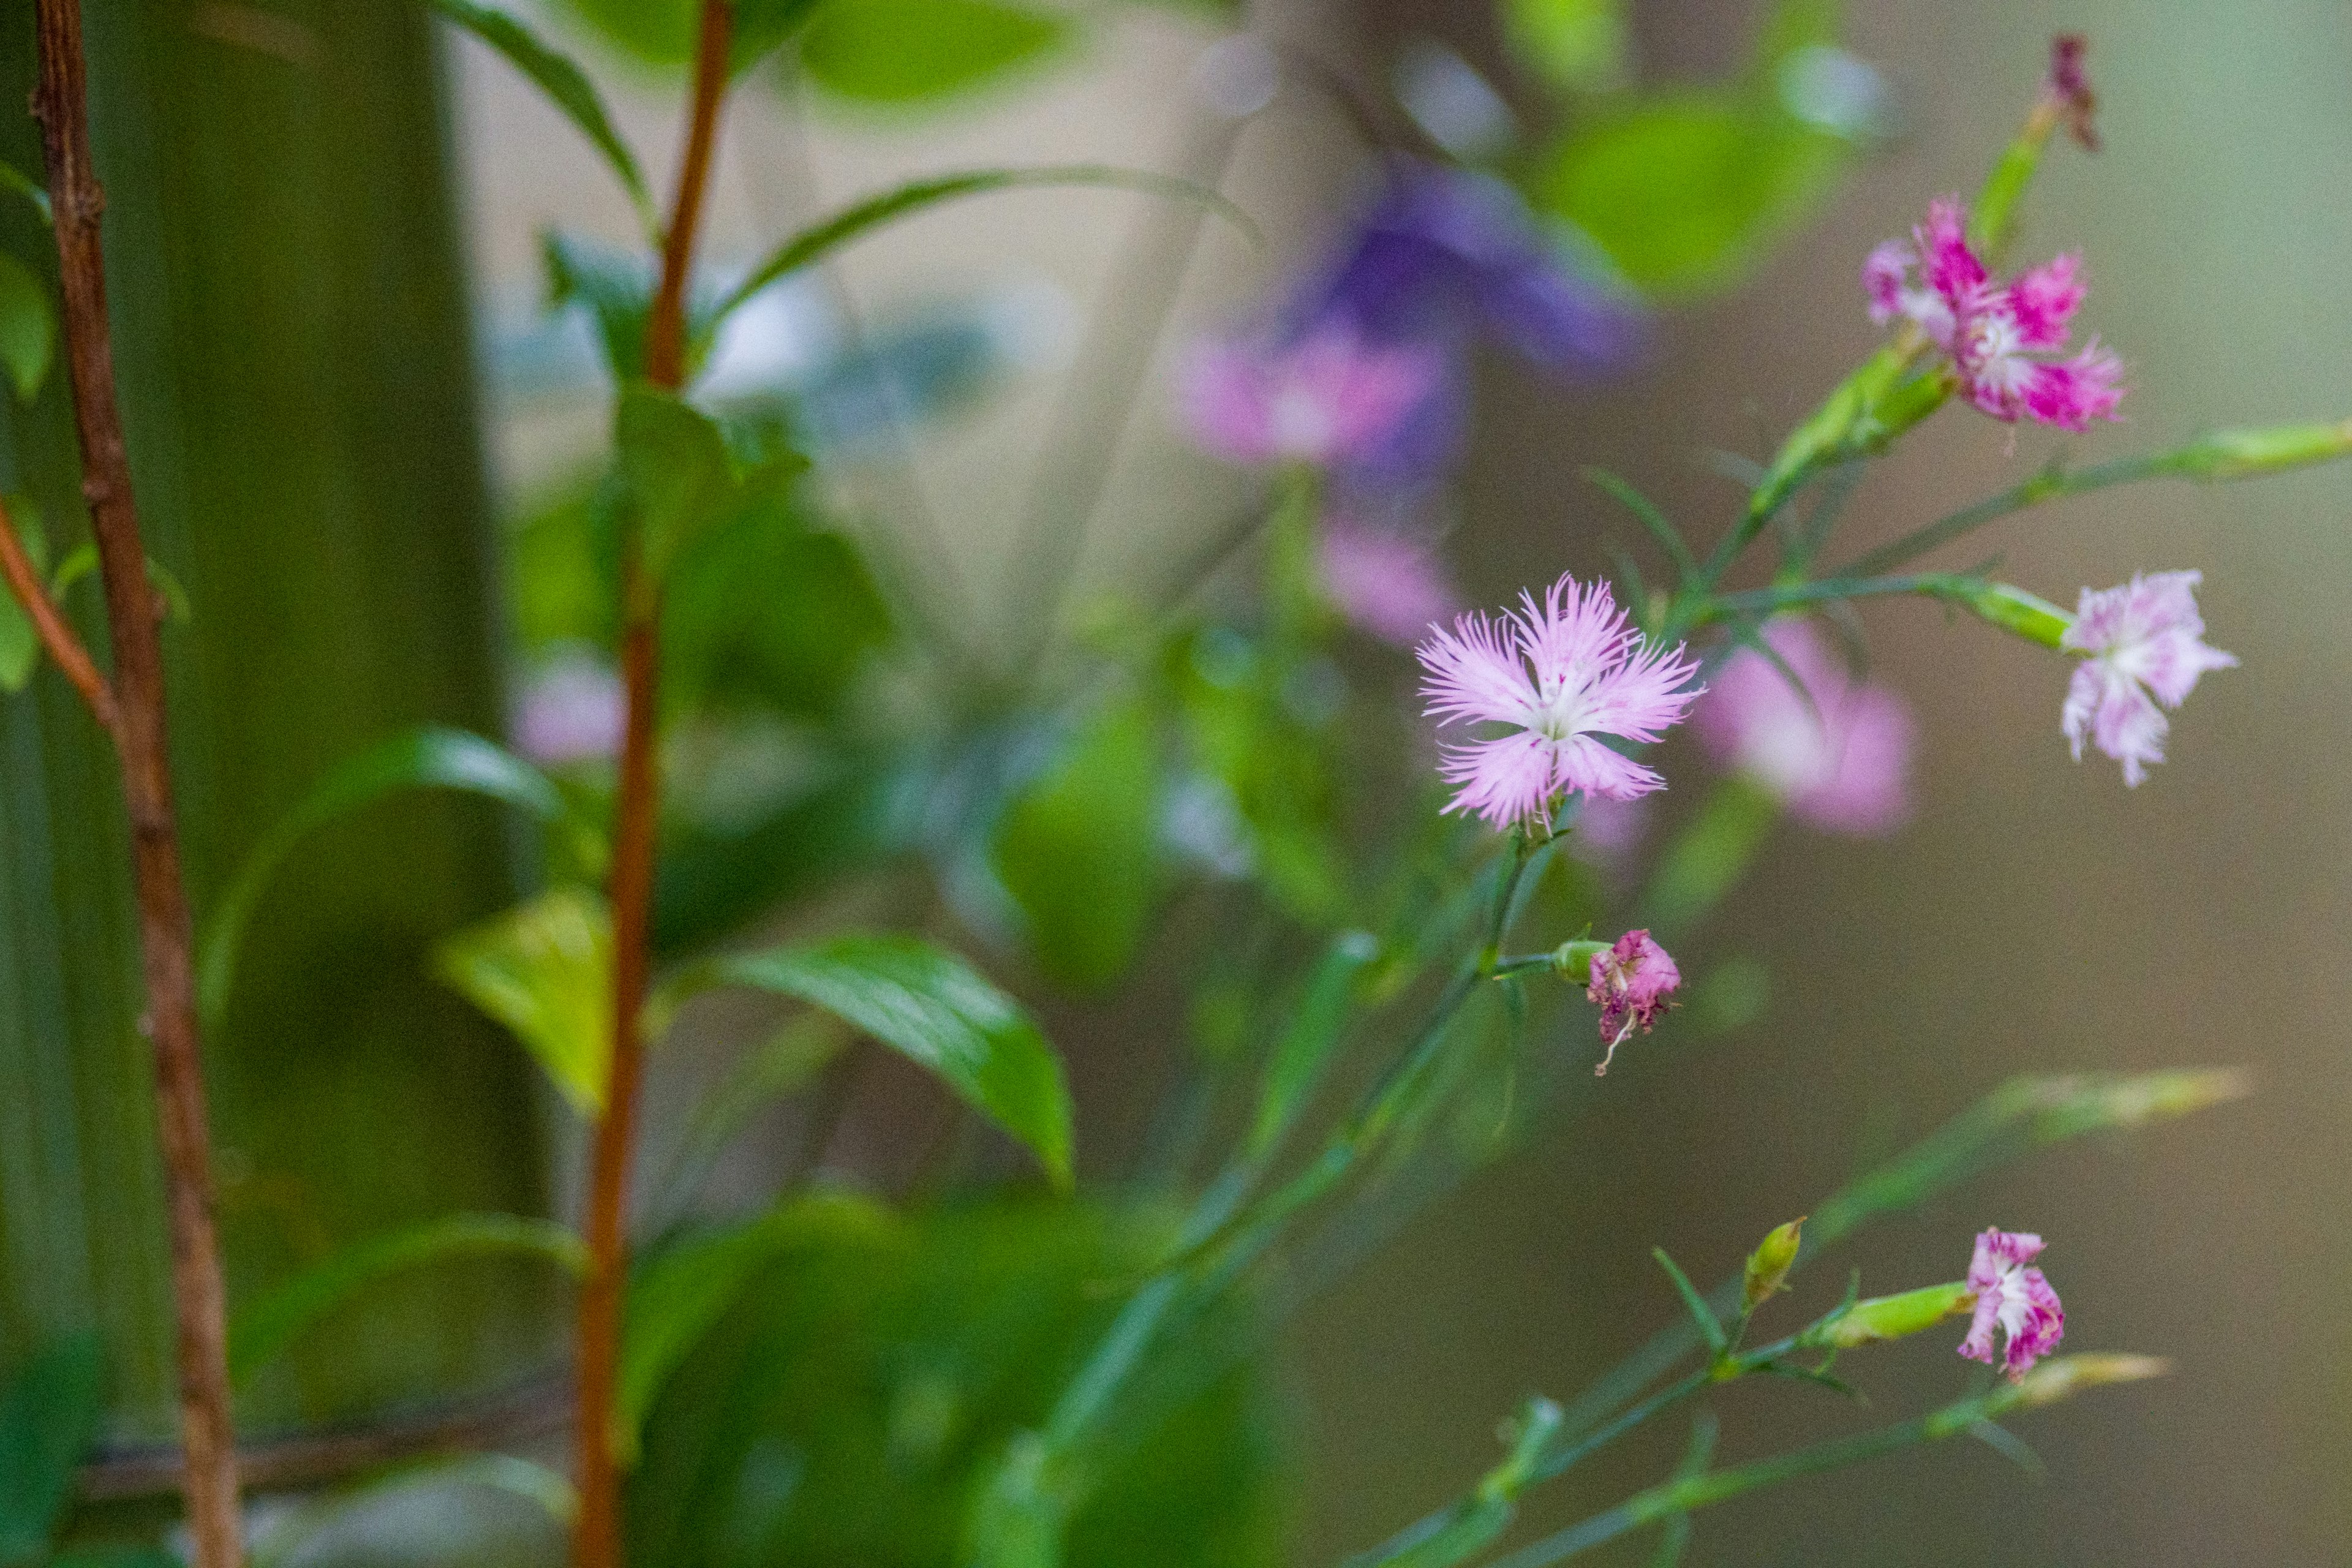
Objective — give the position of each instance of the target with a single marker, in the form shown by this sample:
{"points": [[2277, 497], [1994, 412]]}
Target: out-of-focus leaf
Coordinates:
{"points": [[682, 477], [14, 179], [1579, 45], [20, 644], [545, 969], [768, 614], [28, 329], [48, 1417], [662, 32], [1079, 849], [905, 51], [679, 1294], [1306, 1046], [784, 1063], [116, 1557], [422, 759], [566, 86], [265, 1327], [563, 570], [848, 1403], [617, 289], [1682, 190], [937, 1011], [821, 239]]}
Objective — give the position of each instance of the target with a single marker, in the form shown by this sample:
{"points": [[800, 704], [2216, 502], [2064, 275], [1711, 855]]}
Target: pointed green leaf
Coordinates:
{"points": [[816, 242], [49, 1416], [934, 1009], [662, 32], [566, 86], [28, 328], [1079, 849], [264, 1328], [545, 969], [1709, 1327], [430, 758], [1307, 1044], [682, 476], [903, 51]]}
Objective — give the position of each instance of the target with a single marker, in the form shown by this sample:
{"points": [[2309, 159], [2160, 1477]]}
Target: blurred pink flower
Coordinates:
{"points": [[2146, 643], [2015, 1298], [1632, 983], [1990, 331], [1559, 673], [570, 711], [1840, 761], [1330, 399], [1608, 832], [1391, 587]]}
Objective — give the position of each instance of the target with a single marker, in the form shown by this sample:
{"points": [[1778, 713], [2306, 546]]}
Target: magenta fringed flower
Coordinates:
{"points": [[2014, 1297], [1993, 332], [1559, 674], [1837, 751], [1331, 400], [2146, 647], [1632, 983]]}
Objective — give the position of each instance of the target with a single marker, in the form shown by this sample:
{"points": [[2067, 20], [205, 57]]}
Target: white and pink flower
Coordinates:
{"points": [[1559, 674], [1995, 334], [2014, 1298], [2145, 642]]}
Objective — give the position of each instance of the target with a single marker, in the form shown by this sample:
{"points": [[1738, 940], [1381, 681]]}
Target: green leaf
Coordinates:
{"points": [[28, 328], [816, 242], [905, 51], [683, 478], [1579, 46], [678, 1295], [20, 644], [1681, 190], [117, 1557], [1078, 850], [1709, 1327], [264, 1328], [545, 969], [662, 32], [616, 286], [566, 86], [48, 1418], [1314, 1030], [430, 758], [14, 179], [937, 1012]]}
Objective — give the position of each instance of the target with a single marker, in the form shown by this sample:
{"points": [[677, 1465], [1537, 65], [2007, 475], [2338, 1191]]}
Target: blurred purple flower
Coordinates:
{"points": [[2147, 646], [1439, 259], [1632, 983], [1390, 586], [2015, 1299], [1608, 833], [570, 711], [1840, 761], [1332, 399]]}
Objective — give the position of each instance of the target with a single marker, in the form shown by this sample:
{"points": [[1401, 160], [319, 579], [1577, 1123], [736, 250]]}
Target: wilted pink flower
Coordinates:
{"points": [[1992, 332], [1391, 587], [2146, 643], [1329, 399], [1559, 673], [2016, 1298], [570, 711], [1632, 983], [2068, 89], [1838, 752]]}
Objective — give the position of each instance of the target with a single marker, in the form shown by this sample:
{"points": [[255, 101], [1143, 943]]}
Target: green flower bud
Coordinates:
{"points": [[1888, 1317], [2010, 608], [2061, 1377], [1769, 1265], [2237, 454], [1574, 959]]}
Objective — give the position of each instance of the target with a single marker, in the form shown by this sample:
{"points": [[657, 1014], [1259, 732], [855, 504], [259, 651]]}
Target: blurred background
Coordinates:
{"points": [[990, 392]]}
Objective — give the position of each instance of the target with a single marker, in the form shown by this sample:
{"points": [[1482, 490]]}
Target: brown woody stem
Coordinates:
{"points": [[32, 595], [141, 742], [596, 1542]]}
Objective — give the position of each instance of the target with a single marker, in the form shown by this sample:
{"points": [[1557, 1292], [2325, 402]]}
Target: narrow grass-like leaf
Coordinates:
{"points": [[566, 86], [1645, 511], [937, 1011], [1306, 1046], [268, 1326], [422, 759], [1703, 1315], [820, 240], [1697, 1454]]}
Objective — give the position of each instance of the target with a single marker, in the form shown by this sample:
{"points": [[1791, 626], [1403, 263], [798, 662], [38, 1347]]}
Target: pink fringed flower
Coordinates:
{"points": [[1993, 331], [1329, 400], [2015, 1298], [1838, 752], [570, 712], [2146, 647], [1559, 673], [1632, 983], [1391, 587]]}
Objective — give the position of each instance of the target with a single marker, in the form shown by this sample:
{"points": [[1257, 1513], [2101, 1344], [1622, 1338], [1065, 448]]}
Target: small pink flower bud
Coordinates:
{"points": [[1632, 983]]}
